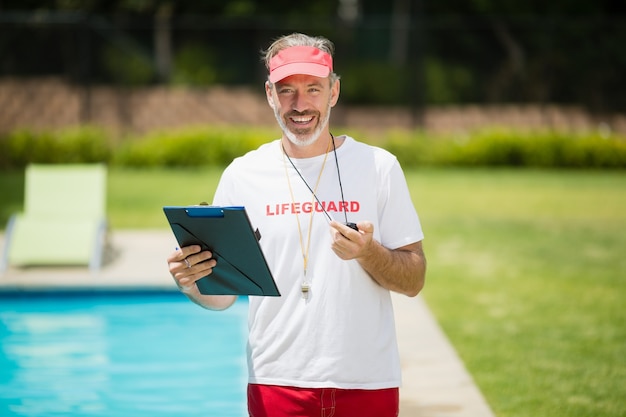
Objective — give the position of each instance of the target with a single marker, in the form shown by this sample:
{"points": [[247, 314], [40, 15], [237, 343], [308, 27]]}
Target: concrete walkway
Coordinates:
{"points": [[436, 383]]}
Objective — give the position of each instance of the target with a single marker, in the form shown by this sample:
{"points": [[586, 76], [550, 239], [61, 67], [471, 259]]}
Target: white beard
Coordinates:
{"points": [[300, 140]]}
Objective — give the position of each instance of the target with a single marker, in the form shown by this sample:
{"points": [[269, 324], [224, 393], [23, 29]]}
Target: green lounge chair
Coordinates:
{"points": [[64, 219]]}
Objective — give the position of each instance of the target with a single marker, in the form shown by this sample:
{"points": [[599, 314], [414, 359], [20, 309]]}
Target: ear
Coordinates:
{"points": [[334, 93], [269, 94]]}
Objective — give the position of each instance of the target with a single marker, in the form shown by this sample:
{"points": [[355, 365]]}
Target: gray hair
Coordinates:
{"points": [[299, 39]]}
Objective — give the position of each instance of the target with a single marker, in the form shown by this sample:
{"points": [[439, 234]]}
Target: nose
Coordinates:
{"points": [[299, 103]]}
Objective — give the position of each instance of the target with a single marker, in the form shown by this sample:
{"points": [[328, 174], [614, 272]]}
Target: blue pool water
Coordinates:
{"points": [[120, 354]]}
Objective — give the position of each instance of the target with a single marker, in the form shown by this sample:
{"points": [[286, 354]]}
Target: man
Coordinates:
{"points": [[327, 346]]}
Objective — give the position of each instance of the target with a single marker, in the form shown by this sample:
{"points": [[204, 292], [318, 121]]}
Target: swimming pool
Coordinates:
{"points": [[120, 354]]}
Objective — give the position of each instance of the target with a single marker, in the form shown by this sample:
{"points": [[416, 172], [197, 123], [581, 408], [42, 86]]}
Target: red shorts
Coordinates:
{"points": [[278, 401]]}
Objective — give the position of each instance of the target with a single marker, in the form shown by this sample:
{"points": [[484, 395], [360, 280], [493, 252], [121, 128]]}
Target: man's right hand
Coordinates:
{"points": [[187, 265]]}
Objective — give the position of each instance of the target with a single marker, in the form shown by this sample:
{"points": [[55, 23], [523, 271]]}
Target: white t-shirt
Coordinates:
{"points": [[343, 334]]}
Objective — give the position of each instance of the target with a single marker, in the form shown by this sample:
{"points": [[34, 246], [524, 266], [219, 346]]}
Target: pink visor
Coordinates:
{"points": [[300, 60]]}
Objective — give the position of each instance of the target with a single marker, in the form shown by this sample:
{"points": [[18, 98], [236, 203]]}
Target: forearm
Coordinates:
{"points": [[401, 270], [210, 302]]}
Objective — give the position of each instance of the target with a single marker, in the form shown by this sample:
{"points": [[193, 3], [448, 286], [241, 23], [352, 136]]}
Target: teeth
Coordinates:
{"points": [[301, 119]]}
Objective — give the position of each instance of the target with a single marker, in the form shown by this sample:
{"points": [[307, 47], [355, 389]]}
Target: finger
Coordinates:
{"points": [[184, 272], [366, 227], [179, 254], [192, 260], [340, 252], [177, 261], [341, 228], [189, 250], [189, 276]]}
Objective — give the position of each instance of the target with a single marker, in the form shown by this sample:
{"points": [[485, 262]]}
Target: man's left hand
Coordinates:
{"points": [[348, 243]]}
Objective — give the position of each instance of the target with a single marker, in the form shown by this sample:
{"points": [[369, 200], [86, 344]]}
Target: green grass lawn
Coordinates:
{"points": [[527, 276], [527, 273], [136, 197]]}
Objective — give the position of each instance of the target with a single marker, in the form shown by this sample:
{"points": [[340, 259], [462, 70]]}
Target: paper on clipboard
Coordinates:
{"points": [[226, 231]]}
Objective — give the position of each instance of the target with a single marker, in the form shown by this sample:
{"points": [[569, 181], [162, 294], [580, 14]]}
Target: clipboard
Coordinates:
{"points": [[226, 231]]}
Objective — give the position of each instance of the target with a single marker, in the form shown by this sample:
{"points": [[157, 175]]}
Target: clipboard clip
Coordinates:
{"points": [[218, 213]]}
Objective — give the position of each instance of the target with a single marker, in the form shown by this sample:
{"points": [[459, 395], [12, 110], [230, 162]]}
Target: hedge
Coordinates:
{"points": [[217, 146], [75, 145], [189, 147]]}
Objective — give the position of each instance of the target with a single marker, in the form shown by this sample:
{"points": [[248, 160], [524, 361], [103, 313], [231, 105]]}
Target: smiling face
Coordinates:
{"points": [[301, 105]]}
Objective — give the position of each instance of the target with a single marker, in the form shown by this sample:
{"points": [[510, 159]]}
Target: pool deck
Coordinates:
{"points": [[435, 381]]}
